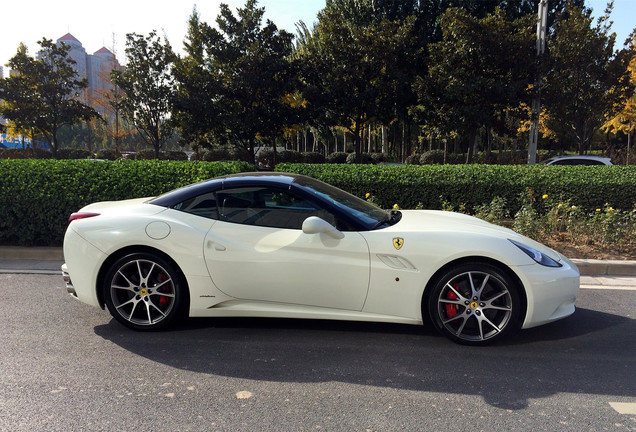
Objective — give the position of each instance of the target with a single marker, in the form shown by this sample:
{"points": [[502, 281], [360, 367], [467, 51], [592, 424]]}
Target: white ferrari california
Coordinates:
{"points": [[285, 245]]}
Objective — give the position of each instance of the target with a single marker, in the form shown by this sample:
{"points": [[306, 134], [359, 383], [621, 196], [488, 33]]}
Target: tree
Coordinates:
{"points": [[18, 100], [234, 82], [578, 81], [476, 71], [109, 100], [43, 94], [622, 116], [148, 85], [355, 73]]}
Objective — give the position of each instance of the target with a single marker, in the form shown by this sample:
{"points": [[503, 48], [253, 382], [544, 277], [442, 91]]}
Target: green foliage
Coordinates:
{"points": [[432, 157], [37, 196], [68, 153], [148, 85], [558, 219], [476, 185], [234, 82], [336, 158], [357, 70], [478, 69], [42, 95], [29, 153], [106, 154], [149, 154], [579, 77], [313, 158], [290, 156]]}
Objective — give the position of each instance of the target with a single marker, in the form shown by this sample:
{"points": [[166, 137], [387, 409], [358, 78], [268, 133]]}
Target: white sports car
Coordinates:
{"points": [[285, 245]]}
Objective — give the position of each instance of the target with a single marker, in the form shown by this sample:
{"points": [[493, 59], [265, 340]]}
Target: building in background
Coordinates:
{"points": [[95, 68]]}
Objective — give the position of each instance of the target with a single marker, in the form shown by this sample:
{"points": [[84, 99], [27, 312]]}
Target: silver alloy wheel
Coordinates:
{"points": [[142, 292], [474, 306]]}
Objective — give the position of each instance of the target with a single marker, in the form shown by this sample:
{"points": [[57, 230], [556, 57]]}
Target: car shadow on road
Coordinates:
{"points": [[535, 363]]}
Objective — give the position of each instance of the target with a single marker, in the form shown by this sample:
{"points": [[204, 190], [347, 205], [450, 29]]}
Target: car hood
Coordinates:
{"points": [[457, 223]]}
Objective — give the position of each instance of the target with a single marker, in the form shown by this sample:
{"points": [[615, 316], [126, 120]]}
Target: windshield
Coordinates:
{"points": [[368, 214]]}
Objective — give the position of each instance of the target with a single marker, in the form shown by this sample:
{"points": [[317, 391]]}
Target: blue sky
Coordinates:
{"points": [[98, 24]]}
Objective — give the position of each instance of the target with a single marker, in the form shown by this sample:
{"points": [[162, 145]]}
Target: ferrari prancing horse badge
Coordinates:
{"points": [[398, 242]]}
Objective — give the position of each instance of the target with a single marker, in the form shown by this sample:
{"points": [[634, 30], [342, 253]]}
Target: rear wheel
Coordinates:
{"points": [[144, 292], [475, 304]]}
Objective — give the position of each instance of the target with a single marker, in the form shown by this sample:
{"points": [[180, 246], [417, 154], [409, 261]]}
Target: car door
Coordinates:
{"points": [[258, 251]]}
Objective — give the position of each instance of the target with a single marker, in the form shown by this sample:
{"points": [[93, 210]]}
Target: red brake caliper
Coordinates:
{"points": [[451, 309], [163, 300]]}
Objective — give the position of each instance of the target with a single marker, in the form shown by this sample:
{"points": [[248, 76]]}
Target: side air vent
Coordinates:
{"points": [[396, 262]]}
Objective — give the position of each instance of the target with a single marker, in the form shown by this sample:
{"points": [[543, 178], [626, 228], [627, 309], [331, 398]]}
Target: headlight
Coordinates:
{"points": [[537, 256]]}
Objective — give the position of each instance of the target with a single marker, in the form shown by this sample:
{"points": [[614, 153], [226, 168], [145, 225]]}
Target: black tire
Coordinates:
{"points": [[145, 292], [475, 304]]}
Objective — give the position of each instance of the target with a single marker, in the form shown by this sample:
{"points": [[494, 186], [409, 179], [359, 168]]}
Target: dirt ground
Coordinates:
{"points": [[592, 251]]}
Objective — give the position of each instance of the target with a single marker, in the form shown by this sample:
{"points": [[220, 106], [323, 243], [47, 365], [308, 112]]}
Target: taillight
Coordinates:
{"points": [[80, 215]]}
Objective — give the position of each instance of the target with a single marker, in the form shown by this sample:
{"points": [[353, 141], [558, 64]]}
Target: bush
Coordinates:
{"points": [[215, 154], [313, 158], [106, 154], [37, 196], [176, 155], [68, 153], [413, 159], [589, 187], [336, 158], [378, 158], [432, 157], [28, 153], [366, 158], [289, 156], [149, 154]]}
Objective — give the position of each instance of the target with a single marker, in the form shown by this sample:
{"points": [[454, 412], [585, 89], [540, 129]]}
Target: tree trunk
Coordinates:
{"points": [[471, 145]]}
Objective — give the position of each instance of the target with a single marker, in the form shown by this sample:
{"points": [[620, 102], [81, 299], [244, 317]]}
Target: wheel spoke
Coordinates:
{"points": [[132, 300], [125, 278], [483, 285], [483, 319], [163, 283], [128, 288], [461, 327], [147, 304], [151, 303], [460, 297]]}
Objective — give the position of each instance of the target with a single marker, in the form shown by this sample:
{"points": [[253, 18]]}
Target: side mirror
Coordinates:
{"points": [[316, 225]]}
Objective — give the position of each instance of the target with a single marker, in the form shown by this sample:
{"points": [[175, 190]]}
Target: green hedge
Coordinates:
{"points": [[37, 196], [472, 185]]}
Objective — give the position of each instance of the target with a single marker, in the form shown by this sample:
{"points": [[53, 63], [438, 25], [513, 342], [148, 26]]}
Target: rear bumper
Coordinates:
{"points": [[81, 268], [67, 280]]}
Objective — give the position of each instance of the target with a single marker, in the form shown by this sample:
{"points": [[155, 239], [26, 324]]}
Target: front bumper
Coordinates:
{"points": [[551, 292]]}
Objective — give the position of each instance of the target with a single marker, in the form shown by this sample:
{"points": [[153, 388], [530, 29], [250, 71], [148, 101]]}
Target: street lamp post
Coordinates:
{"points": [[536, 100]]}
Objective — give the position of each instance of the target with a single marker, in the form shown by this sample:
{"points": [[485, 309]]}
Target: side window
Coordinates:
{"points": [[267, 207], [203, 205]]}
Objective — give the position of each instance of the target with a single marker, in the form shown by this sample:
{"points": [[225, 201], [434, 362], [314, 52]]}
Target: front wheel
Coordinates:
{"points": [[144, 292], [475, 304]]}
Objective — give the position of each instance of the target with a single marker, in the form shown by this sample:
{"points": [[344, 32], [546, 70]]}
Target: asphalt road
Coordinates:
{"points": [[68, 367]]}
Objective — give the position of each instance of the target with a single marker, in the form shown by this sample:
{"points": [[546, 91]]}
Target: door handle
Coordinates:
{"points": [[216, 246]]}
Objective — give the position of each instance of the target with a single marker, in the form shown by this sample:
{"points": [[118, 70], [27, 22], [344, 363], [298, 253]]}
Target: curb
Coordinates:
{"points": [[592, 267], [31, 253], [587, 267]]}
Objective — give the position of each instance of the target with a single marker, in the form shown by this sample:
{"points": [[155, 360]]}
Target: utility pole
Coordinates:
{"points": [[542, 23]]}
